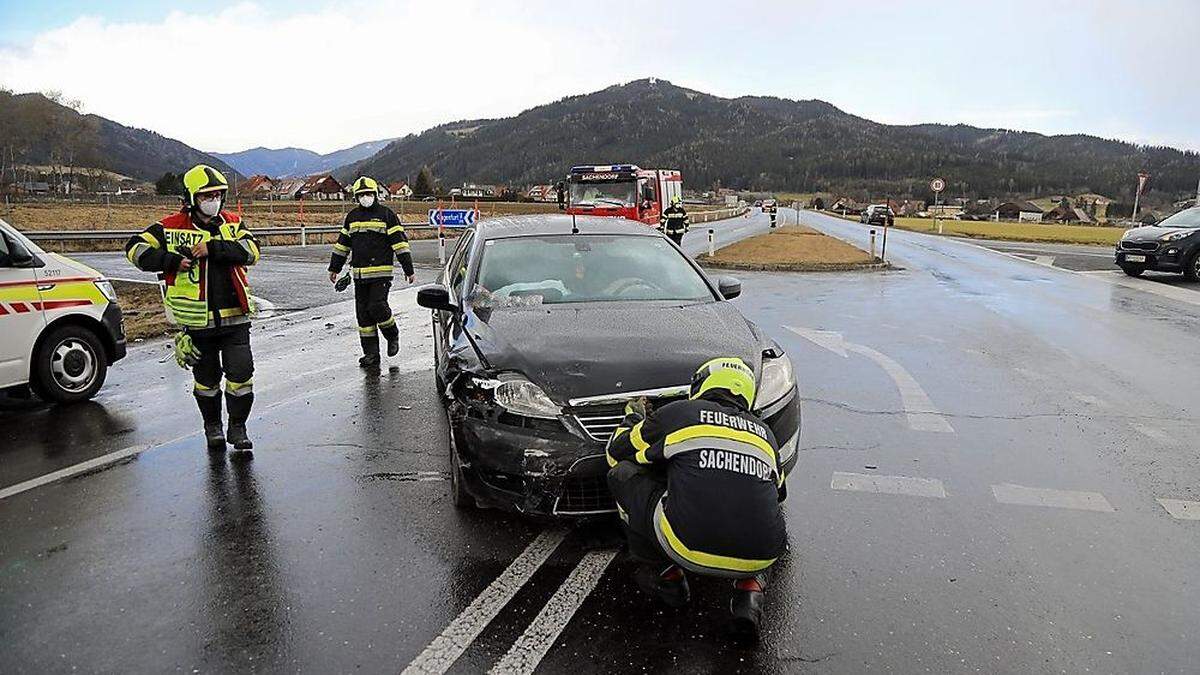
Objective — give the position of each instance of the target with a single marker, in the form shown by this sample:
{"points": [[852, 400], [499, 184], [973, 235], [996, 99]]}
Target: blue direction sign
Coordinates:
{"points": [[452, 217]]}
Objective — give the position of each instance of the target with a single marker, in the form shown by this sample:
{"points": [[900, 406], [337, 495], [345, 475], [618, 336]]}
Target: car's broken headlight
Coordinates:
{"points": [[776, 381], [518, 395]]}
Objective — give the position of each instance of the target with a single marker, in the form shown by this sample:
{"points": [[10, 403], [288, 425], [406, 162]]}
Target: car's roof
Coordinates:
{"points": [[558, 223]]}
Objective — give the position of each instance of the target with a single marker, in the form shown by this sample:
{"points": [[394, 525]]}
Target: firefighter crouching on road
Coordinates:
{"points": [[698, 485], [201, 253], [675, 221], [372, 237]]}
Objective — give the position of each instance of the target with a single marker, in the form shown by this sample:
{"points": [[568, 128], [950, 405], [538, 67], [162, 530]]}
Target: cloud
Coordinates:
{"points": [[322, 79]]}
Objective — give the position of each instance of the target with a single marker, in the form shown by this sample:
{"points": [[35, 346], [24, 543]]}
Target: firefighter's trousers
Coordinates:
{"points": [[374, 314], [224, 351], [638, 490]]}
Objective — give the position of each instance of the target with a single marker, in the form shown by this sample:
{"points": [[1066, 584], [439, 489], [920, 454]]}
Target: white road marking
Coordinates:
{"points": [[74, 470], [922, 414], [1159, 288], [891, 485], [1047, 260], [1088, 399], [533, 645], [1152, 432], [1007, 493], [445, 649], [1181, 509]]}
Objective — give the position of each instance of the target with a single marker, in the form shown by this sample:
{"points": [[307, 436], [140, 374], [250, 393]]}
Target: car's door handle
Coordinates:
{"points": [[46, 287]]}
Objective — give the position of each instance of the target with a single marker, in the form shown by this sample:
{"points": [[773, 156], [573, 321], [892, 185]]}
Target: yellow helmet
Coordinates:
{"points": [[676, 200], [364, 184], [730, 374], [202, 178]]}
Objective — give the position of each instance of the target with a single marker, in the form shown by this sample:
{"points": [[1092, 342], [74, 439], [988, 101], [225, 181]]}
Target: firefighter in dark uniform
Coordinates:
{"points": [[675, 221], [201, 254], [698, 485], [373, 238]]}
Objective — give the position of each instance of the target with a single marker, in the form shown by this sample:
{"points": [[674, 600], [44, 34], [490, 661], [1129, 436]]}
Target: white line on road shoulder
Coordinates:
{"points": [[74, 470], [1181, 509], [533, 645], [1007, 493], [445, 649], [891, 485]]}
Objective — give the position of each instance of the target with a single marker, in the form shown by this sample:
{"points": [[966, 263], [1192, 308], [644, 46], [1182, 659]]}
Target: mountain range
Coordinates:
{"points": [[767, 143], [38, 130], [294, 162]]}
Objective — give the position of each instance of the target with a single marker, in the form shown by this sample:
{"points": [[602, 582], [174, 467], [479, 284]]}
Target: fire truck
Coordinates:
{"points": [[622, 191]]}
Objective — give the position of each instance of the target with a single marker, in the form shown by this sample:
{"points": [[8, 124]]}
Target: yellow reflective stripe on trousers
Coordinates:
{"points": [[390, 321], [367, 330], [710, 560], [239, 388]]}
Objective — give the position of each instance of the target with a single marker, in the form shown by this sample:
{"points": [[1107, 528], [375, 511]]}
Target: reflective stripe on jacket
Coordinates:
{"points": [[373, 239]]}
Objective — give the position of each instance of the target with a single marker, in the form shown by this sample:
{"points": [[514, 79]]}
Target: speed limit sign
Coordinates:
{"points": [[937, 184]]}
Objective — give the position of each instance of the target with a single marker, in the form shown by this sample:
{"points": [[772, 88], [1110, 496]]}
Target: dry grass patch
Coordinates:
{"points": [[141, 305], [792, 248], [1008, 231]]}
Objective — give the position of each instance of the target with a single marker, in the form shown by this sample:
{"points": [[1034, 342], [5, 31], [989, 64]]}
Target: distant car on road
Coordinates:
{"points": [[542, 335], [1173, 245], [878, 214]]}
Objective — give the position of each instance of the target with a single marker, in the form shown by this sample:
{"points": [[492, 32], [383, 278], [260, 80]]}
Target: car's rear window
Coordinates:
{"points": [[568, 268]]}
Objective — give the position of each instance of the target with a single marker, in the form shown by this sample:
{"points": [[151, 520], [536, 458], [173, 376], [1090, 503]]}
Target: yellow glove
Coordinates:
{"points": [[186, 354]]}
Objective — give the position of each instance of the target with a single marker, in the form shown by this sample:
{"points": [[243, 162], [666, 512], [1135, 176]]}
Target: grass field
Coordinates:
{"points": [[1007, 231], [141, 305], [790, 248]]}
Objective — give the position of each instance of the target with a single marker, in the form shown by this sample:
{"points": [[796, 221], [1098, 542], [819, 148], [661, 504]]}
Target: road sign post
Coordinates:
{"points": [[937, 185], [1137, 196]]}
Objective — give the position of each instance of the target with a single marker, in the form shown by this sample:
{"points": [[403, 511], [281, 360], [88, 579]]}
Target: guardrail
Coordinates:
{"points": [[303, 231]]}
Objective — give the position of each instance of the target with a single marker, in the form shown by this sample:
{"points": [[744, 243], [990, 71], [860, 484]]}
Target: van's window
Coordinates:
{"points": [[5, 256]]}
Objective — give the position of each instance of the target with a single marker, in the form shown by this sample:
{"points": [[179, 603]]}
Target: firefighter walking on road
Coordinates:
{"points": [[698, 485], [201, 254], [373, 238], [675, 221]]}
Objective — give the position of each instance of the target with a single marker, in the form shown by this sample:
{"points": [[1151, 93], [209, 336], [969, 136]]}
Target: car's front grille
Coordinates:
{"points": [[601, 421], [1139, 245], [585, 495]]}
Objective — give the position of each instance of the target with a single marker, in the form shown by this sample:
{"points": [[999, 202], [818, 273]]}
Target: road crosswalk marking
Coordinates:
{"points": [[1007, 493], [892, 485]]}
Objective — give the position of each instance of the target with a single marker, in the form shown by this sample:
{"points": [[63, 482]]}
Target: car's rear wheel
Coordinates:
{"points": [[459, 497], [1133, 270], [1192, 269], [70, 365]]}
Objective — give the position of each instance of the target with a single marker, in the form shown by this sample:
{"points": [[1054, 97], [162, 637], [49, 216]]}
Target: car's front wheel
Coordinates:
{"points": [[459, 497], [70, 366], [1133, 270], [1192, 269]]}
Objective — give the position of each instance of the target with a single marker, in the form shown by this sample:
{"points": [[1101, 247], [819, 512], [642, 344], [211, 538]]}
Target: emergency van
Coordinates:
{"points": [[622, 191], [60, 325]]}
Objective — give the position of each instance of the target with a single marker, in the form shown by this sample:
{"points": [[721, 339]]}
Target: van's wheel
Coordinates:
{"points": [[1192, 269], [70, 365], [1133, 270], [459, 497]]}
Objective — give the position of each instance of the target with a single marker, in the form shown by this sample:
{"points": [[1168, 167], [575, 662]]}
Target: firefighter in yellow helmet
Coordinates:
{"points": [[201, 254], [373, 238], [675, 221], [698, 484]]}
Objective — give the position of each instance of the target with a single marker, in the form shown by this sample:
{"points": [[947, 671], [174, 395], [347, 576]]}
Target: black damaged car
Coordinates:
{"points": [[545, 326], [1170, 246]]}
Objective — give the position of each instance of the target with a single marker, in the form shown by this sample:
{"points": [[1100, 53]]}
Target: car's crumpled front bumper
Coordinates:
{"points": [[556, 468]]}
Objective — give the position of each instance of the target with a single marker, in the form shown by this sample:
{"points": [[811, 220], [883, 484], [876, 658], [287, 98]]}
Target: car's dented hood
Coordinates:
{"points": [[1153, 232], [574, 351]]}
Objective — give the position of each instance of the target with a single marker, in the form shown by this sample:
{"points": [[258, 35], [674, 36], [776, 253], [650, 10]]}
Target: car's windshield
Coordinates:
{"points": [[568, 268], [1185, 218], [602, 194]]}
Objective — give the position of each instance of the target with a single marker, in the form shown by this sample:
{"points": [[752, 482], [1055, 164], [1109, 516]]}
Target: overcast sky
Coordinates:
{"points": [[226, 76]]}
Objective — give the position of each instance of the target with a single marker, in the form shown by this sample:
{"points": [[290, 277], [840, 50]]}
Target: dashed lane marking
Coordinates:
{"points": [[1181, 509], [892, 485], [1007, 493], [533, 645], [445, 649]]}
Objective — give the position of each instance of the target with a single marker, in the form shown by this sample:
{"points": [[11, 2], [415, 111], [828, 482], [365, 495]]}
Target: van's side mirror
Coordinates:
{"points": [[730, 287], [436, 297]]}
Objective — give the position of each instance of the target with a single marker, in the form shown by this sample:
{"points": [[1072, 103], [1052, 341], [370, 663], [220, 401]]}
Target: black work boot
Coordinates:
{"points": [[239, 412], [210, 412], [391, 333], [669, 585], [368, 361], [746, 608], [370, 347]]}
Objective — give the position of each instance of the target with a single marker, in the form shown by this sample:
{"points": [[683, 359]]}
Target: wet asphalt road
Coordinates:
{"points": [[985, 440]]}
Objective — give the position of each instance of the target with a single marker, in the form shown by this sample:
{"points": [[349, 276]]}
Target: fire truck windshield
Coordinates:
{"points": [[602, 194]]}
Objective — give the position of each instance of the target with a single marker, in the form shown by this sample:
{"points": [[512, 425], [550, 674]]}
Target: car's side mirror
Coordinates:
{"points": [[437, 297], [730, 287]]}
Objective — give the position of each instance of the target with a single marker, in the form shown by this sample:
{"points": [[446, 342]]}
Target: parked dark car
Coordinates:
{"points": [[1173, 245], [545, 326]]}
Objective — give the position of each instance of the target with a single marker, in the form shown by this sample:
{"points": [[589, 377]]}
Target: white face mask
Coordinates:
{"points": [[366, 201], [210, 207]]}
